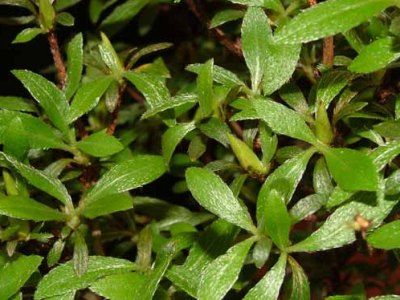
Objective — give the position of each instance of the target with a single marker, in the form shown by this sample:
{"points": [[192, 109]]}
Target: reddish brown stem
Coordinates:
{"points": [[328, 52], [233, 47], [58, 61], [114, 116]]}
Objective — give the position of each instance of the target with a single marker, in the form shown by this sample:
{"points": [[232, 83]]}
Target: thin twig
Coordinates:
{"points": [[114, 116], [58, 61], [233, 47]]}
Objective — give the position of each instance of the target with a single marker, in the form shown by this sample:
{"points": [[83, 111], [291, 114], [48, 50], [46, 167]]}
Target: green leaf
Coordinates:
{"points": [[127, 175], [100, 144], [293, 96], [322, 181], [16, 142], [122, 14], [217, 130], [220, 275], [24, 208], [386, 237], [205, 88], [110, 57], [213, 242], [283, 120], [247, 158], [329, 18], [376, 56], [261, 251], [269, 143], [63, 279], [151, 86], [87, 97], [276, 219], [225, 16], [174, 102], [64, 4], [16, 103], [330, 85], [392, 183], [268, 287], [196, 148], [15, 273], [47, 95], [172, 137], [65, 19], [27, 35], [286, 178], [389, 129], [339, 228], [54, 255], [120, 286], [74, 65], [220, 199], [220, 75], [107, 205], [386, 297], [300, 285], [47, 14], [80, 257], [382, 155], [40, 180], [145, 51], [351, 169], [255, 32]]}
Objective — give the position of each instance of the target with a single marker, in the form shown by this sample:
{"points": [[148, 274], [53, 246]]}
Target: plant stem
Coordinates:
{"points": [[58, 61], [328, 52], [114, 116]]}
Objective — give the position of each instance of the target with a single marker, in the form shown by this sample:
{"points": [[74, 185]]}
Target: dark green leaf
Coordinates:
{"points": [[220, 199], [80, 257], [74, 65], [127, 175], [386, 237], [110, 57], [217, 130], [54, 255], [293, 96], [220, 275], [300, 285], [225, 16], [15, 273], [329, 18], [100, 144], [24, 208], [65, 19], [330, 85], [63, 279], [268, 287], [47, 95], [307, 206], [16, 103], [205, 88]]}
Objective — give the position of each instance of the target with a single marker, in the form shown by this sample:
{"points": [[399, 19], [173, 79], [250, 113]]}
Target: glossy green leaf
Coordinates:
{"points": [[386, 237], [63, 279], [54, 255], [47, 14], [213, 242], [322, 181], [269, 143], [220, 75], [389, 129], [65, 19], [145, 51], [205, 88], [80, 257], [382, 155], [330, 85], [16, 142], [47, 95], [27, 35], [285, 178], [220, 199], [16, 103], [255, 32], [151, 86], [376, 56], [283, 120], [261, 251], [127, 175], [276, 218], [15, 273], [20, 3], [196, 148], [300, 286], [225, 16], [110, 56], [107, 205], [268, 287], [175, 102], [120, 286], [386, 297], [172, 137], [74, 65], [87, 97], [329, 18], [351, 169], [293, 96], [122, 14], [100, 144], [392, 183], [24, 208], [220, 275], [217, 130], [39, 179]]}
